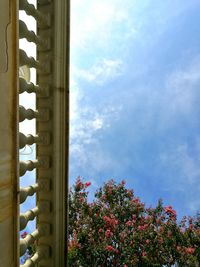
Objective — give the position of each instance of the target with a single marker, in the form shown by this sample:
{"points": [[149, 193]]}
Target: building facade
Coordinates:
{"points": [[52, 132]]}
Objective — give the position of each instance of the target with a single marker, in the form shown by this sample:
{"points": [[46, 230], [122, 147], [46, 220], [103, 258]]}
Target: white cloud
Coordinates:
{"points": [[93, 24], [97, 123], [96, 20], [86, 121], [102, 72], [86, 127], [91, 160]]}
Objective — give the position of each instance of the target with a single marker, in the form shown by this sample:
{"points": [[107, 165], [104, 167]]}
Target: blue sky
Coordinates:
{"points": [[135, 90]]}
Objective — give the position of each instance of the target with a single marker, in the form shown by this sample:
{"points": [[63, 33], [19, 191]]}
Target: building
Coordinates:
{"points": [[52, 120]]}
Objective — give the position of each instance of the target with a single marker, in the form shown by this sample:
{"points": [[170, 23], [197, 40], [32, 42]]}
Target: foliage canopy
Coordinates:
{"points": [[116, 229]]}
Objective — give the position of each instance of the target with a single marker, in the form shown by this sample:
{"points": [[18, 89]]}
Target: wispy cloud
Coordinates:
{"points": [[102, 72], [87, 121], [88, 124], [146, 125], [95, 20]]}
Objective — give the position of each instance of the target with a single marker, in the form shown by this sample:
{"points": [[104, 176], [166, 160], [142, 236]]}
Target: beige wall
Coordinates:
{"points": [[8, 135]]}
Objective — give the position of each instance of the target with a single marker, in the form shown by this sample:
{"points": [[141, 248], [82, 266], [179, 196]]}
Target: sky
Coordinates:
{"points": [[135, 90], [134, 99]]}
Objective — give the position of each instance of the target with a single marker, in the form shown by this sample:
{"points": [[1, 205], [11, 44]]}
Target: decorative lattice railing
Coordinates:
{"points": [[51, 138]]}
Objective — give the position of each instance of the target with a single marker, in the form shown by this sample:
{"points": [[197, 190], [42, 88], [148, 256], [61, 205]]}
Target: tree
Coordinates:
{"points": [[116, 229]]}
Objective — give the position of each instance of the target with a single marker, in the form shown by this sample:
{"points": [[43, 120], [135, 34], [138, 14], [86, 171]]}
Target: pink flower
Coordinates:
{"points": [[116, 251], [170, 211], [190, 250], [128, 223], [110, 221], [109, 248], [123, 182], [24, 234], [87, 184], [108, 233], [161, 229], [81, 199], [190, 223], [142, 227], [144, 253], [100, 230], [158, 221], [135, 200]]}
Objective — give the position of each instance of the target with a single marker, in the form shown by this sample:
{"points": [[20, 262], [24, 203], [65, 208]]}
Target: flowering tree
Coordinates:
{"points": [[116, 229]]}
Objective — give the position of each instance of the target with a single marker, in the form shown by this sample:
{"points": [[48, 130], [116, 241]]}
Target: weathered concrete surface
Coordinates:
{"points": [[8, 135]]}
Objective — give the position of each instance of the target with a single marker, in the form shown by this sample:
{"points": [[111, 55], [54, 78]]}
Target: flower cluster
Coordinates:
{"points": [[116, 229]]}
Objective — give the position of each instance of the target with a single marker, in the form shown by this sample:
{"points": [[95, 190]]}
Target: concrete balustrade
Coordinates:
{"points": [[42, 162], [43, 21], [52, 119], [27, 140], [28, 87], [42, 252], [33, 260], [28, 165], [41, 114], [27, 114], [28, 216], [28, 240], [29, 61], [28, 191], [42, 138], [30, 35]]}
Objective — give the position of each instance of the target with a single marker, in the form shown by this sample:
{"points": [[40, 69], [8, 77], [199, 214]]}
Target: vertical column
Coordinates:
{"points": [[8, 134], [56, 78]]}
